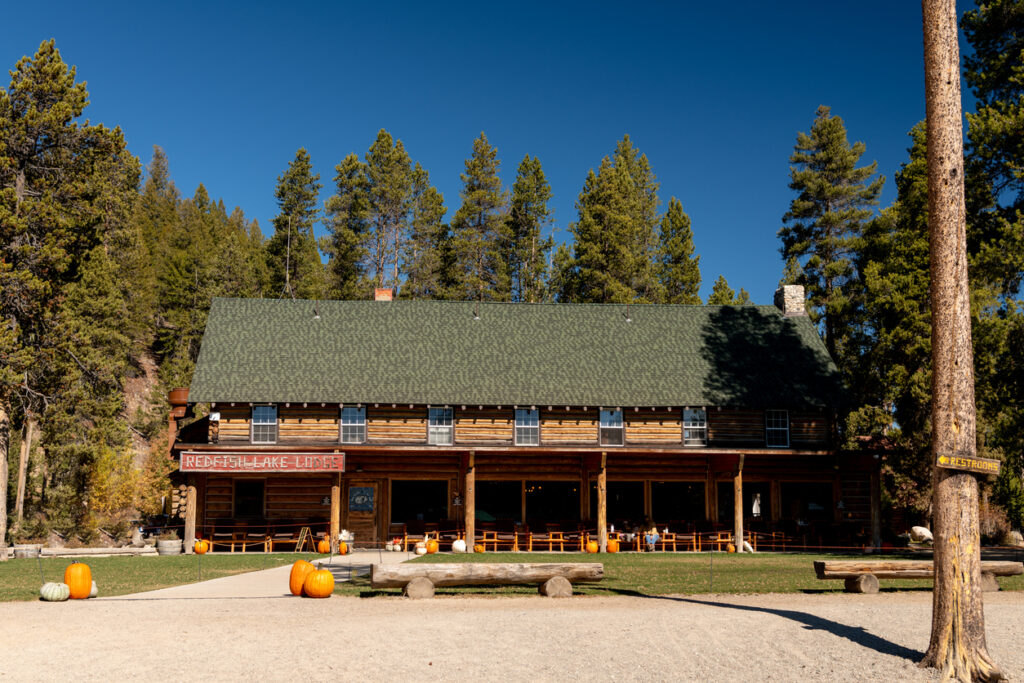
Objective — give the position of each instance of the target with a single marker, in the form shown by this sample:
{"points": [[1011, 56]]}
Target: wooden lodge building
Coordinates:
{"points": [[384, 417]]}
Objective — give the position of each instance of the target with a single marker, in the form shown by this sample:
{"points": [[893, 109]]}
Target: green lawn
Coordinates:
{"points": [[669, 573], [20, 579]]}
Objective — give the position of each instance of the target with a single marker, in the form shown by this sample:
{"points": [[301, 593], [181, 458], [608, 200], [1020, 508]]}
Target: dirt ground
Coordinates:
{"points": [[730, 638]]}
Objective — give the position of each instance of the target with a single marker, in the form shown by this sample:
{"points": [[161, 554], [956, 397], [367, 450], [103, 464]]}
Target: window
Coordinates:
{"points": [[264, 424], [527, 427], [439, 429], [776, 428], [612, 432], [353, 425], [695, 427]]}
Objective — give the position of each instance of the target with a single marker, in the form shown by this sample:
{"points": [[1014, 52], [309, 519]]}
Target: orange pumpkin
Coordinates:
{"points": [[297, 578], [342, 548], [318, 584], [323, 547], [730, 548], [201, 546], [592, 547], [78, 577], [431, 546], [478, 548], [613, 545]]}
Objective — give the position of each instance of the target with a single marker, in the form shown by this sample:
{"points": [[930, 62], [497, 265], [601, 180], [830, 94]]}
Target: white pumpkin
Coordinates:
{"points": [[94, 591], [458, 546], [421, 548], [54, 592]]}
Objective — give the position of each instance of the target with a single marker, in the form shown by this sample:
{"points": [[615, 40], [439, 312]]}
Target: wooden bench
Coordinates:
{"points": [[417, 580], [862, 576]]}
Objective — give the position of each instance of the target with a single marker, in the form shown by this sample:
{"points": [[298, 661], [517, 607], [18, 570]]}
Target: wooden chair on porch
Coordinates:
{"points": [[504, 534], [415, 531], [282, 533], [219, 533], [540, 532]]}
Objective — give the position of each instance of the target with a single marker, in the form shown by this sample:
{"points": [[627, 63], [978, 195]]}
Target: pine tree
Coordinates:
{"points": [[724, 295], [427, 255], [679, 268], [616, 244], [478, 229], [292, 255], [346, 221], [824, 223], [526, 249]]}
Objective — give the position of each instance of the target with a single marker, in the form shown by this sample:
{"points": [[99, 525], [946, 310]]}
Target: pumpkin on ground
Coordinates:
{"points": [[319, 583], [342, 548], [297, 578], [201, 546], [78, 577], [94, 591], [421, 548], [54, 592], [458, 546], [323, 546], [432, 546], [592, 547], [730, 548], [613, 545], [478, 548]]}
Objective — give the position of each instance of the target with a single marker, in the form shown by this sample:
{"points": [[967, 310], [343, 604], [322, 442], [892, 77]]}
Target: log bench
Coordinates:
{"points": [[417, 580], [861, 576]]}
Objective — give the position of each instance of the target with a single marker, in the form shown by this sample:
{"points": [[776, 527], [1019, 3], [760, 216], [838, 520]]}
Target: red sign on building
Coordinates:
{"points": [[262, 462]]}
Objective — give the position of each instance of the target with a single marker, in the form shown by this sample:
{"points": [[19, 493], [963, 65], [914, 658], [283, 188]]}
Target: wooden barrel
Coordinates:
{"points": [[169, 547]]}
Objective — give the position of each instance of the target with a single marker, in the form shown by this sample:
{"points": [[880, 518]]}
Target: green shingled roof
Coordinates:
{"points": [[437, 352]]}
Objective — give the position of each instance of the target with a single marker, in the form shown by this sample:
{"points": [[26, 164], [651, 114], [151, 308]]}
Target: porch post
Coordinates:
{"points": [[470, 502], [737, 506], [190, 514], [876, 508], [602, 503], [335, 511]]}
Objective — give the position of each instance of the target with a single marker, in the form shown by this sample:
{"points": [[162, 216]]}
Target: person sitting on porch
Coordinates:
{"points": [[650, 534]]}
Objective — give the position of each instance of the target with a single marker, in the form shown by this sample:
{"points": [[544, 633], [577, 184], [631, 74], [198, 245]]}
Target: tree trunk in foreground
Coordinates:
{"points": [[957, 646], [5, 440]]}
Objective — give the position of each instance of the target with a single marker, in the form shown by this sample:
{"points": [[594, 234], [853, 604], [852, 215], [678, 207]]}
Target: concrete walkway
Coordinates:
{"points": [[269, 583]]}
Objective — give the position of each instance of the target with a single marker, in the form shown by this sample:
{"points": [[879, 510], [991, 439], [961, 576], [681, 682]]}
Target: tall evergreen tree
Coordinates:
{"points": [[478, 229], [616, 244], [292, 255], [526, 248], [824, 223], [346, 220], [679, 268], [724, 295], [427, 255]]}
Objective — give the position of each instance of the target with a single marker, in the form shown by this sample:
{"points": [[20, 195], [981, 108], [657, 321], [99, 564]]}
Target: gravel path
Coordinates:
{"points": [[718, 637]]}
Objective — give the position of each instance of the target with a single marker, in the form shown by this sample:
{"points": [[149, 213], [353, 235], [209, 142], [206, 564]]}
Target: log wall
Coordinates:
{"points": [[569, 428], [286, 496], [491, 427], [653, 427], [396, 425], [234, 424], [808, 429], [734, 428], [311, 424]]}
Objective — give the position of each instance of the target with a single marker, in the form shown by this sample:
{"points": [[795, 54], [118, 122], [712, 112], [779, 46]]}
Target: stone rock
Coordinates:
{"points": [[556, 587], [419, 588], [989, 583], [137, 540], [1015, 538], [919, 534]]}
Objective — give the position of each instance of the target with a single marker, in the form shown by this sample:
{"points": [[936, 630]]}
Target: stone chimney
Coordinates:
{"points": [[790, 300], [383, 294]]}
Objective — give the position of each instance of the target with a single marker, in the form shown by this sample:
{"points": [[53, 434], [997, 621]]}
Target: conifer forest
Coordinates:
{"points": [[107, 270]]}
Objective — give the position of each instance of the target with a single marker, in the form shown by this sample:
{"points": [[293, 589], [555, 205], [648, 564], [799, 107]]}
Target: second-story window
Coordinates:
{"points": [[695, 427], [264, 424], [776, 428], [612, 430], [527, 427], [353, 424], [439, 429]]}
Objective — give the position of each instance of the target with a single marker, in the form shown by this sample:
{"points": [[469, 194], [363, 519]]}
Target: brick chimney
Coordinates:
{"points": [[790, 300], [383, 294]]}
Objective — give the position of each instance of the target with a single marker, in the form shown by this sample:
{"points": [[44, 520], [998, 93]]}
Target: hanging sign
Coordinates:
{"points": [[968, 464], [262, 462]]}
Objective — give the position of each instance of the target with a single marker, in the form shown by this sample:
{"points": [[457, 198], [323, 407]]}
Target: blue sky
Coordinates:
{"points": [[713, 93]]}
